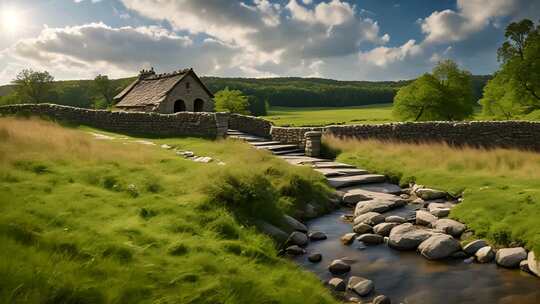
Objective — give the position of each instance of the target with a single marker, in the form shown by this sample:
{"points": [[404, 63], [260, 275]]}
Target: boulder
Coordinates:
{"points": [[425, 218], [370, 238], [370, 218], [459, 255], [339, 267], [440, 212], [430, 194], [474, 246], [384, 228], [317, 236], [272, 231], [298, 238], [315, 257], [377, 205], [395, 219], [485, 254], [295, 250], [361, 286], [439, 246], [348, 238], [407, 237], [382, 299], [310, 211], [434, 206], [510, 257], [337, 284], [362, 228], [294, 224], [534, 263], [454, 228]]}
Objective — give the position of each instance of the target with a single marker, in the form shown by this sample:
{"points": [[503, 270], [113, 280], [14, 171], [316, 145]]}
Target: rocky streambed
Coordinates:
{"points": [[389, 248]]}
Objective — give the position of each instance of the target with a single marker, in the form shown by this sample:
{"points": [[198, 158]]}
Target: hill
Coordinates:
{"points": [[281, 91]]}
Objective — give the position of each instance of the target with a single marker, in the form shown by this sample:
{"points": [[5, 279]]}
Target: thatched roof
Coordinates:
{"points": [[150, 89]]}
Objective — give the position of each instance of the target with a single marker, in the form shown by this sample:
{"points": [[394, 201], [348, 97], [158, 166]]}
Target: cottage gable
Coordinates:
{"points": [[166, 93]]}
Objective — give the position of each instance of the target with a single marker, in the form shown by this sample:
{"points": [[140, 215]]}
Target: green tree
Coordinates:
{"points": [[515, 89], [105, 88], [32, 86], [257, 106], [446, 94], [233, 101]]}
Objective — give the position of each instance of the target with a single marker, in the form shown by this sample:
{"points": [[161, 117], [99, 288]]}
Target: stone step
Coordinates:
{"points": [[287, 152], [382, 187], [265, 143], [300, 160], [354, 194], [279, 147], [249, 138], [344, 181], [334, 172], [295, 154], [325, 164]]}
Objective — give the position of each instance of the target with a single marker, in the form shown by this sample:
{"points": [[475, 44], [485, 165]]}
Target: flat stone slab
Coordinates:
{"points": [[355, 194], [381, 187], [265, 143], [299, 160], [278, 147], [248, 138], [325, 164], [344, 181], [331, 172], [287, 152]]}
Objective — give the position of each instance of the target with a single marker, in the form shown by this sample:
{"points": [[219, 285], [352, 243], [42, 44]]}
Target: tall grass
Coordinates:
{"points": [[501, 187], [114, 221]]}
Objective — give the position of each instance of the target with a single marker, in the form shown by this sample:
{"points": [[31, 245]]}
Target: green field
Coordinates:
{"points": [[119, 220], [501, 188], [303, 117]]}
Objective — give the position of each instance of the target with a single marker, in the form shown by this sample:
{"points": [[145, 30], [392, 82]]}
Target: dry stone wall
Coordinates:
{"points": [[250, 124], [211, 125], [488, 134]]}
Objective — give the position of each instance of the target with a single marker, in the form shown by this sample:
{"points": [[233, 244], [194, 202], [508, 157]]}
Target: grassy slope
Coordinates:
{"points": [[300, 117], [73, 230], [501, 187]]}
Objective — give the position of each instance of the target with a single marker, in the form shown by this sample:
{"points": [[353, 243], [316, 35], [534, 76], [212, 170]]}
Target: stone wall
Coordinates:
{"points": [[211, 125], [488, 134], [250, 124], [293, 136]]}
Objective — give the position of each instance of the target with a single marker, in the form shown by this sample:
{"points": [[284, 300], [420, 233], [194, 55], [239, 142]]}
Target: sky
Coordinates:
{"points": [[338, 39]]}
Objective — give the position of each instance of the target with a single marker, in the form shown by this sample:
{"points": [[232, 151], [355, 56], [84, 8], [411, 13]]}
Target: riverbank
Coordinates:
{"points": [[96, 217]]}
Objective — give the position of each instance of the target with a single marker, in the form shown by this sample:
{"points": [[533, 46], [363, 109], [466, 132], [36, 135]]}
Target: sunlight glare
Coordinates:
{"points": [[11, 20]]}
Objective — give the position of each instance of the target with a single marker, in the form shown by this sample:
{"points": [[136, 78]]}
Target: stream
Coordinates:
{"points": [[407, 277]]}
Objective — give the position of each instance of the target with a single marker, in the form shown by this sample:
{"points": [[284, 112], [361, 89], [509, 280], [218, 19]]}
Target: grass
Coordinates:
{"points": [[116, 221], [303, 117], [501, 188]]}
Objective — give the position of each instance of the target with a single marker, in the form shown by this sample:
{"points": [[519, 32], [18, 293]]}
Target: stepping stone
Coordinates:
{"points": [[264, 143], [331, 172], [249, 138], [354, 194], [278, 147], [325, 164], [285, 152], [344, 181], [300, 160], [295, 154], [382, 187]]}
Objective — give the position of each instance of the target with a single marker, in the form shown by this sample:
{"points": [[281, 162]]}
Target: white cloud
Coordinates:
{"points": [[383, 56], [473, 16]]}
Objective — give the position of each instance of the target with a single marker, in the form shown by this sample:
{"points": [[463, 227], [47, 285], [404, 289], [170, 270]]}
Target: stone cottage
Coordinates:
{"points": [[167, 93]]}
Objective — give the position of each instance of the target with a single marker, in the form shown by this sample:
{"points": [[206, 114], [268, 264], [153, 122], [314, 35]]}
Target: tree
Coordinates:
{"points": [[77, 95], [446, 94], [257, 106], [515, 89], [233, 101], [104, 86], [32, 86]]}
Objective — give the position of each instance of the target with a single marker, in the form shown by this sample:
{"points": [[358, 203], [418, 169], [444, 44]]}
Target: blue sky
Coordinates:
{"points": [[340, 39]]}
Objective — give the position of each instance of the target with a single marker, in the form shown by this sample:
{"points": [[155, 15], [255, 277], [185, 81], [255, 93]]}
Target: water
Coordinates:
{"points": [[407, 277]]}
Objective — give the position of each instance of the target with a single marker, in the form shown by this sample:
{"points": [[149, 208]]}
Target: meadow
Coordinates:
{"points": [[305, 117], [118, 220], [500, 187]]}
